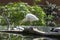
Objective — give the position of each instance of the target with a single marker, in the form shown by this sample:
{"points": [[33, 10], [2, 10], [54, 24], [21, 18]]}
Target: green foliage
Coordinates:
{"points": [[39, 13], [17, 11], [36, 1], [50, 17]]}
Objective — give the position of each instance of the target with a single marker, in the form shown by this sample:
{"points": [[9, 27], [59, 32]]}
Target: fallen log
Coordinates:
{"points": [[34, 32]]}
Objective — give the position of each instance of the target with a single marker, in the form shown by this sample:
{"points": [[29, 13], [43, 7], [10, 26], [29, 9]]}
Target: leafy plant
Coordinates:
{"points": [[51, 12], [36, 1], [17, 11]]}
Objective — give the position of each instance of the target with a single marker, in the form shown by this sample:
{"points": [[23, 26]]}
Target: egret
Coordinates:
{"points": [[30, 17]]}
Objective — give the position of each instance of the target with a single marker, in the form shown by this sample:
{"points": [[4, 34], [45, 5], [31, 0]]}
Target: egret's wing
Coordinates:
{"points": [[31, 17]]}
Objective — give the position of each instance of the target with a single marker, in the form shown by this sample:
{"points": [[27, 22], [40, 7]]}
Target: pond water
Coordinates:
{"points": [[10, 36], [4, 36]]}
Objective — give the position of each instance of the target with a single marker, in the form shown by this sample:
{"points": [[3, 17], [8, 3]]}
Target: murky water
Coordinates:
{"points": [[10, 36], [4, 36]]}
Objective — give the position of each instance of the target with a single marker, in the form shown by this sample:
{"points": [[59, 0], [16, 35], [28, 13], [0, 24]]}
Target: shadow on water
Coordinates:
{"points": [[5, 36]]}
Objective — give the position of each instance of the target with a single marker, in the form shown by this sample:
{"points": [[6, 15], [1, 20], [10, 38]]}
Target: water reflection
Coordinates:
{"points": [[4, 36], [44, 38]]}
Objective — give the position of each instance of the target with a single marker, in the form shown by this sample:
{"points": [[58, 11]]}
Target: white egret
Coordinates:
{"points": [[30, 17]]}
